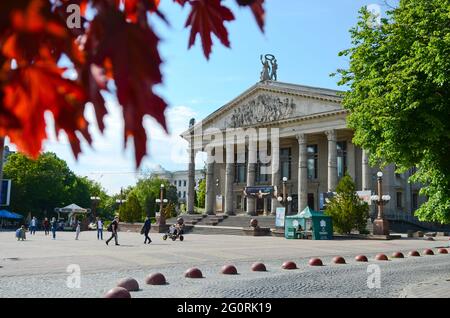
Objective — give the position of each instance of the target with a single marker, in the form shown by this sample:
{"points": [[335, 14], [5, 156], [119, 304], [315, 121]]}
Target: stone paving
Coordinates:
{"points": [[37, 267]]}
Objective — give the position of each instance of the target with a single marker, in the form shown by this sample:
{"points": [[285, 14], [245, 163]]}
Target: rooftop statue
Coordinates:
{"points": [[270, 67]]}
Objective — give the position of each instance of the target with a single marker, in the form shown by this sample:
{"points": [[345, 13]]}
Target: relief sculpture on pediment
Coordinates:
{"points": [[262, 109]]}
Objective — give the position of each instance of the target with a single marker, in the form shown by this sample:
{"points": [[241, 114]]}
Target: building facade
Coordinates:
{"points": [[303, 130], [179, 179]]}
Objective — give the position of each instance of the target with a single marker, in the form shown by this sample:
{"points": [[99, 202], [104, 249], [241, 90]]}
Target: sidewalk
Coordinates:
{"points": [[431, 289]]}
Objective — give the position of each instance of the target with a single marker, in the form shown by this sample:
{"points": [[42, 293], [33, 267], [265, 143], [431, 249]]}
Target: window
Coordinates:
{"points": [[399, 200], [179, 194], [415, 201], [240, 168], [397, 175], [285, 163], [184, 183], [179, 183], [310, 201], [341, 158], [260, 168], [312, 161], [238, 202], [175, 183], [184, 194]]}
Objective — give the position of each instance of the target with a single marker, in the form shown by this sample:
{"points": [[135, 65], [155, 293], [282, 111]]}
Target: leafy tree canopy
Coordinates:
{"points": [[39, 186], [399, 95]]}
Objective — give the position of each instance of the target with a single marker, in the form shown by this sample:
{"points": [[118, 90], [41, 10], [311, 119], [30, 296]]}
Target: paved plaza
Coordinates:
{"points": [[37, 267]]}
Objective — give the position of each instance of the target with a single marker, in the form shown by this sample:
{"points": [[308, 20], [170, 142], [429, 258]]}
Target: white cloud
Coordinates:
{"points": [[107, 162]]}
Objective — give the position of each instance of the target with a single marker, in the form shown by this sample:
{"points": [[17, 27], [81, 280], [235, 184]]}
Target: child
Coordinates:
{"points": [[20, 233]]}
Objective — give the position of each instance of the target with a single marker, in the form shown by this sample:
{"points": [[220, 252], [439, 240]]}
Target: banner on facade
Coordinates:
{"points": [[261, 190], [279, 216], [219, 203]]}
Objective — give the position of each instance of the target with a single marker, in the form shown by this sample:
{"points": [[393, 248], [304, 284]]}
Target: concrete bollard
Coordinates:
{"points": [[289, 265], [361, 258], [129, 284], [155, 279], [193, 273], [117, 292]]}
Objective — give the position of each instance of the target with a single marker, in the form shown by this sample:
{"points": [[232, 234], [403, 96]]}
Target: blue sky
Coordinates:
{"points": [[304, 35]]}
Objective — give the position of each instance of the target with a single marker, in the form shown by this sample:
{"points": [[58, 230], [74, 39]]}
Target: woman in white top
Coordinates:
{"points": [[99, 229], [78, 229]]}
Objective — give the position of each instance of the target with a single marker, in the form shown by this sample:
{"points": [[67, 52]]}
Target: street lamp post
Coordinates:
{"points": [[285, 199], [380, 225], [161, 220], [120, 201], [95, 200]]}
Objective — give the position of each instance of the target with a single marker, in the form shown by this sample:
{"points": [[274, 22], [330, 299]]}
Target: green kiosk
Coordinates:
{"points": [[308, 223]]}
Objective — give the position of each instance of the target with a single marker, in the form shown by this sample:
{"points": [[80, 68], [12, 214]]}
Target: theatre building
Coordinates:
{"points": [[314, 150]]}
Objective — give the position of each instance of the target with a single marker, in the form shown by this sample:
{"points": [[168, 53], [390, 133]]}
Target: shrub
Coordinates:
{"points": [[347, 209]]}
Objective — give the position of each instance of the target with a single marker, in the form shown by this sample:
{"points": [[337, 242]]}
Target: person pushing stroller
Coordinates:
{"points": [[176, 230]]}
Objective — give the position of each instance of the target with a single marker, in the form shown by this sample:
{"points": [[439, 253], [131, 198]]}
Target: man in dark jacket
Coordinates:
{"points": [[146, 228], [114, 227]]}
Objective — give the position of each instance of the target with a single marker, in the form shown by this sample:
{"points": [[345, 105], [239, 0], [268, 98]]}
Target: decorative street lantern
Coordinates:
{"points": [[160, 219], [380, 225]]}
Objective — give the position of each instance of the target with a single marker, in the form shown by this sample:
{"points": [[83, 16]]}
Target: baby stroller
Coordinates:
{"points": [[175, 231]]}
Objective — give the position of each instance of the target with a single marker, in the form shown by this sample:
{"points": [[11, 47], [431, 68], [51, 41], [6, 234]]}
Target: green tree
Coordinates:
{"points": [[201, 193], [131, 210], [39, 186], [346, 208], [399, 80], [147, 190]]}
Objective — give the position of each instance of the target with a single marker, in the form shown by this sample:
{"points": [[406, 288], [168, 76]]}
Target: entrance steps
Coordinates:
{"points": [[221, 224]]}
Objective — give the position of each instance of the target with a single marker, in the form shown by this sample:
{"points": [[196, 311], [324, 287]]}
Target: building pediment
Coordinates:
{"points": [[270, 103]]}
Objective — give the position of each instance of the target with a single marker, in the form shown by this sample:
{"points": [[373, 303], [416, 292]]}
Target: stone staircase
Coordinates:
{"points": [[221, 224]]}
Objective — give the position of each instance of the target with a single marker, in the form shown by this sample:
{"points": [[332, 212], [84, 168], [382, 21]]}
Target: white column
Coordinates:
{"points": [[210, 194], [191, 182], [251, 176], [302, 173], [365, 171], [275, 163], [332, 160], [229, 179]]}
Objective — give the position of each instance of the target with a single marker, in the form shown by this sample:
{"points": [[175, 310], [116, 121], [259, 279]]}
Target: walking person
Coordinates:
{"points": [[54, 226], [46, 225], [146, 229], [78, 230], [99, 229], [33, 225], [113, 227]]}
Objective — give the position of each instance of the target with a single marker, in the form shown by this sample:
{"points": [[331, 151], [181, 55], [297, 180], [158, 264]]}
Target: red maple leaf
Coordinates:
{"points": [[118, 44], [206, 17], [135, 62], [34, 89], [257, 9]]}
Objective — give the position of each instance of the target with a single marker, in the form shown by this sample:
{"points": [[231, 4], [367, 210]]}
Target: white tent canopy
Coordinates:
{"points": [[72, 208]]}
